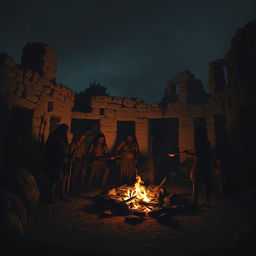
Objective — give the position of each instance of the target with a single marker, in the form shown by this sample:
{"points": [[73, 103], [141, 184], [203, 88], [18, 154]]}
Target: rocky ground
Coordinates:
{"points": [[70, 228]]}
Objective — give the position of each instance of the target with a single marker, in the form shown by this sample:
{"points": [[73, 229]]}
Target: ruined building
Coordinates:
{"points": [[32, 102]]}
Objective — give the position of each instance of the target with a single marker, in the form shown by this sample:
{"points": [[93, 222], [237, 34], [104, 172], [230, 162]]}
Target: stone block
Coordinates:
{"points": [[141, 105], [139, 100], [114, 106], [117, 100], [20, 72], [28, 73], [101, 99], [110, 112], [8, 72], [26, 81], [35, 77], [128, 102], [7, 61], [48, 91]]}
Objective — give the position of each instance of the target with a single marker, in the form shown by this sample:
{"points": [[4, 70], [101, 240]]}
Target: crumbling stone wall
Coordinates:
{"points": [[41, 58], [32, 85], [190, 89], [34, 89], [130, 109]]}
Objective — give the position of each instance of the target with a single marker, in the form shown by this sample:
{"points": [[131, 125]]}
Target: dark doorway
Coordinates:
{"points": [[165, 140], [220, 135], [247, 136], [124, 128], [19, 138], [200, 127], [54, 122]]}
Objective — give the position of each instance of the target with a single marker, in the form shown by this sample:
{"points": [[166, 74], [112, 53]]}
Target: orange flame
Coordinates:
{"points": [[139, 191]]}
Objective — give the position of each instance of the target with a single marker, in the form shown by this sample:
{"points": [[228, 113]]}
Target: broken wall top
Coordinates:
{"points": [[29, 84], [41, 58]]}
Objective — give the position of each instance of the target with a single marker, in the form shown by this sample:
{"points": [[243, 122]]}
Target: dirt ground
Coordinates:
{"points": [[67, 228]]}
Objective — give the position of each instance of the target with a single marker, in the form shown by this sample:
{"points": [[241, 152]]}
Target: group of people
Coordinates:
{"points": [[67, 165]]}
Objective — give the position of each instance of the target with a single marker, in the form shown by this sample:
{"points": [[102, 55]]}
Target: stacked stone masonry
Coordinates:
{"points": [[31, 85]]}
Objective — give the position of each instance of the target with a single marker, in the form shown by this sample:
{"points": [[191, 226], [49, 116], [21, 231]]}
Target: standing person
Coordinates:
{"points": [[220, 177], [98, 153], [129, 150], [90, 136], [201, 166], [78, 169], [55, 160]]}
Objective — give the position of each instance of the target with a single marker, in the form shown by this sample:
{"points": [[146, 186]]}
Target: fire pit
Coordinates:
{"points": [[138, 199]]}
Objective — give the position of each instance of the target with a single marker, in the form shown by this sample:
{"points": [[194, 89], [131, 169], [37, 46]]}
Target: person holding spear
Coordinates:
{"points": [[201, 167]]}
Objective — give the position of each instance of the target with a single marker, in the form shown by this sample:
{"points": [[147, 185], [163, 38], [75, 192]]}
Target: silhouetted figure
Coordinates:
{"points": [[98, 154], [220, 177], [56, 159], [129, 151], [78, 169], [201, 166]]}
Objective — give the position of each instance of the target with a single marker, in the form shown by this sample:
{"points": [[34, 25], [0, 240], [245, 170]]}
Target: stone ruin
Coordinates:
{"points": [[32, 86]]}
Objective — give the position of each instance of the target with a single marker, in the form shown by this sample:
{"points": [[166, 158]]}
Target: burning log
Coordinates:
{"points": [[138, 199], [155, 189], [129, 199], [150, 204]]}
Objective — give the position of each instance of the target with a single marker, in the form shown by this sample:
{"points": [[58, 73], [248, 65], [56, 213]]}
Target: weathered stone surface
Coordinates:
{"points": [[139, 100], [114, 106], [101, 99], [141, 105], [12, 204], [23, 184], [128, 102], [40, 58], [11, 228], [28, 73], [6, 61], [117, 100], [32, 85]]}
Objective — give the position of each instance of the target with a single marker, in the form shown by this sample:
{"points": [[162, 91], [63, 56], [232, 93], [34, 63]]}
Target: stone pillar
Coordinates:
{"points": [[109, 127], [183, 94], [142, 133], [41, 58], [186, 135]]}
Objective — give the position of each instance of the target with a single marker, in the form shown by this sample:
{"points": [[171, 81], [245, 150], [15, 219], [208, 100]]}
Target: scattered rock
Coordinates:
{"points": [[23, 184], [11, 228], [11, 204]]}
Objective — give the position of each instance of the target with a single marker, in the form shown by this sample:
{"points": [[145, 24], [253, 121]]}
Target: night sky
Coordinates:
{"points": [[131, 47]]}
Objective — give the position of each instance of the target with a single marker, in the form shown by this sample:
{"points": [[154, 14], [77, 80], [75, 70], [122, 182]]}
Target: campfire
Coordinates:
{"points": [[141, 198], [137, 199]]}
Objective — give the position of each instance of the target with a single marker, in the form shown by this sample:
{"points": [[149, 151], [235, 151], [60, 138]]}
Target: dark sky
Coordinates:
{"points": [[131, 47]]}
